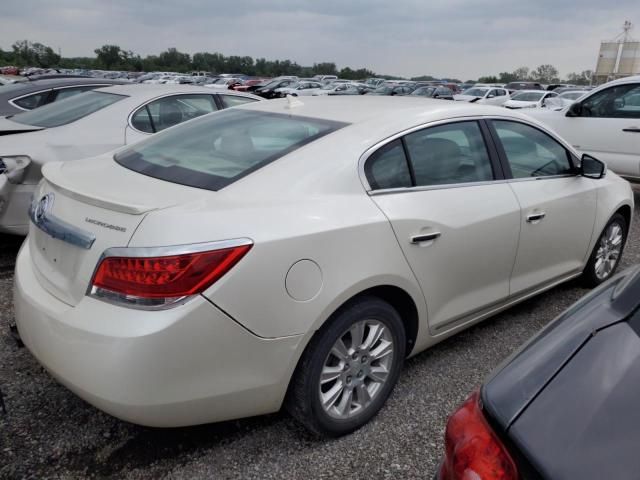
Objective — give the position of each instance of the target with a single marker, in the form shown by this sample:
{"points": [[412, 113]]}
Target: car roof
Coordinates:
{"points": [[36, 85], [532, 91], [386, 109], [143, 91]]}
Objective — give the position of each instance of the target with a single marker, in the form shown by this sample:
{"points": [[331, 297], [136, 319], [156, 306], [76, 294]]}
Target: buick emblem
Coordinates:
{"points": [[43, 206]]}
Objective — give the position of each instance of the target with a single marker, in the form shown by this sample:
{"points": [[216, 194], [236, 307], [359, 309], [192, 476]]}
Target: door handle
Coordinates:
{"points": [[424, 238], [534, 217], [631, 129]]}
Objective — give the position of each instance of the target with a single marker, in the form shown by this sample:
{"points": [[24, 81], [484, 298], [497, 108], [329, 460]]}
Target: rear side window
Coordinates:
{"points": [[388, 168], [219, 149], [32, 101], [448, 154], [67, 111], [234, 100], [169, 111], [63, 93], [530, 152]]}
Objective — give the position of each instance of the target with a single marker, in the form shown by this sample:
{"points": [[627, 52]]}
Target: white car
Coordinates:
{"points": [[605, 123], [335, 87], [303, 88], [89, 124], [529, 99], [565, 99], [297, 251], [483, 96]]}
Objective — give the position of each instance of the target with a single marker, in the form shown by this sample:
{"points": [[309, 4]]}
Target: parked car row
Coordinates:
{"points": [[132, 285], [87, 124]]}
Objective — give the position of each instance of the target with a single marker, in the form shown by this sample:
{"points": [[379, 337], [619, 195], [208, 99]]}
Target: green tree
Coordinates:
{"points": [[489, 79], [109, 56], [546, 74], [506, 77], [36, 54], [521, 73], [172, 59]]}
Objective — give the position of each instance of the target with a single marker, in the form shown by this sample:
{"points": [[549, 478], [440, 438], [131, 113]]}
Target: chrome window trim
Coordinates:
{"points": [[159, 97], [59, 229], [371, 150], [125, 301], [51, 89], [426, 188]]}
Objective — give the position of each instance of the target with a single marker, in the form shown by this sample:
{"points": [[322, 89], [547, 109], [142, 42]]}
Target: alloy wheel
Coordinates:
{"points": [[609, 250], [356, 369]]}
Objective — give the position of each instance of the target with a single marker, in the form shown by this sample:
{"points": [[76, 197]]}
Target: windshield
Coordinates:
{"points": [[68, 110], [424, 91], [218, 149], [475, 92], [383, 89], [528, 96], [273, 84], [572, 95]]}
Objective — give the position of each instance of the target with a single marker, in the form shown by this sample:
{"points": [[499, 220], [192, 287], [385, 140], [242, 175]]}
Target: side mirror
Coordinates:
{"points": [[575, 110], [592, 167], [491, 96]]}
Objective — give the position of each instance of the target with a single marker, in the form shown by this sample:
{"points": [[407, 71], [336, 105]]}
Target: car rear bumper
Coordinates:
{"points": [[187, 365]]}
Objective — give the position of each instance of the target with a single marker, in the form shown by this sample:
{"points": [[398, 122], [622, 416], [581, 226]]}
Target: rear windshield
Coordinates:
{"points": [[528, 96], [68, 110], [217, 149]]}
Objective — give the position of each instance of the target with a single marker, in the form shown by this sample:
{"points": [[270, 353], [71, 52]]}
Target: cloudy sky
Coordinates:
{"points": [[457, 38]]}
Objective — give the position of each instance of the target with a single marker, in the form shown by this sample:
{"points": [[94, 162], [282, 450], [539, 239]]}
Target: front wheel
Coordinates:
{"points": [[349, 368], [607, 252]]}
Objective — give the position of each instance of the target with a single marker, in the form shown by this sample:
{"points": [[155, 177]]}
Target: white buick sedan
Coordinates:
{"points": [[296, 253], [89, 124]]}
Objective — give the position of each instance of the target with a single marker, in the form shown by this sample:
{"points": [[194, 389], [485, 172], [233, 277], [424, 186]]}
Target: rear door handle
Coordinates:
{"points": [[631, 129], [424, 238], [535, 217]]}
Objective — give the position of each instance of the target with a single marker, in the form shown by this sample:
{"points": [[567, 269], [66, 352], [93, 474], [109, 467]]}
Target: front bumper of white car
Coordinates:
{"points": [[15, 199], [187, 365]]}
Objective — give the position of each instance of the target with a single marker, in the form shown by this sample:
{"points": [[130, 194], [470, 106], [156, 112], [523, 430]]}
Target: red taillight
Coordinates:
{"points": [[172, 276], [472, 449]]}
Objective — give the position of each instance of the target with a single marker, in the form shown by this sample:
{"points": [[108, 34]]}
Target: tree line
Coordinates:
{"points": [[113, 57], [544, 74], [24, 53]]}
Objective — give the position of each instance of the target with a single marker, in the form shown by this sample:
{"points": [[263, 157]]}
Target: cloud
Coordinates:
{"points": [[461, 38]]}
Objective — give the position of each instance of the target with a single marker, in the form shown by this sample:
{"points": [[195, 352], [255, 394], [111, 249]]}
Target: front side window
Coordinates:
{"points": [[169, 111], [448, 154], [531, 152], [616, 102], [216, 150], [67, 111]]}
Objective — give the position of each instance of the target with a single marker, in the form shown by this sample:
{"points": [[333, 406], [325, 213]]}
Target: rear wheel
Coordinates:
{"points": [[349, 368], [607, 252]]}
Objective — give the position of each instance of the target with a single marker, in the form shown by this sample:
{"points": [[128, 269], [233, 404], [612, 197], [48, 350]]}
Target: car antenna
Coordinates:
{"points": [[293, 102]]}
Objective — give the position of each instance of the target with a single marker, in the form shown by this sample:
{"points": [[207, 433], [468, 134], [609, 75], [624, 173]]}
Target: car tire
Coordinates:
{"points": [[364, 377], [607, 252]]}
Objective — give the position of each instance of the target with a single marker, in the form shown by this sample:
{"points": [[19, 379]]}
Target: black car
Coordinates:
{"points": [[269, 90], [433, 91], [393, 90], [565, 406], [513, 86], [18, 97]]}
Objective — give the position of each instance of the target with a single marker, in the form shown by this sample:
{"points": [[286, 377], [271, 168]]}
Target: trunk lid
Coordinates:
{"points": [[7, 127], [101, 199]]}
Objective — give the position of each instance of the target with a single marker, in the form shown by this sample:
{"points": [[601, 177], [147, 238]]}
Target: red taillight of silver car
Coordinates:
{"points": [[160, 281], [472, 450]]}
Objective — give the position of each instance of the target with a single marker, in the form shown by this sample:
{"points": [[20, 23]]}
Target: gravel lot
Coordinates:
{"points": [[50, 433]]}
